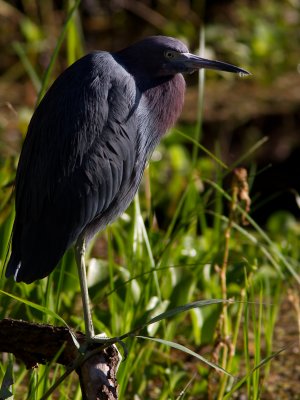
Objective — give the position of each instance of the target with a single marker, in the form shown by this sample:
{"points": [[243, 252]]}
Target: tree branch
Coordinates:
{"points": [[37, 344]]}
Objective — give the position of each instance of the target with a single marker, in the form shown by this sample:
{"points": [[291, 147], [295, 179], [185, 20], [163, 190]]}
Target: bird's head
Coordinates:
{"points": [[158, 56]]}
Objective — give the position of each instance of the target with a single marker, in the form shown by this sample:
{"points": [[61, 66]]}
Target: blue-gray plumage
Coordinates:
{"points": [[88, 143]]}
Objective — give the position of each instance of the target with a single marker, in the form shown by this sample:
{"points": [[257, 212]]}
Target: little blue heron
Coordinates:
{"points": [[86, 149]]}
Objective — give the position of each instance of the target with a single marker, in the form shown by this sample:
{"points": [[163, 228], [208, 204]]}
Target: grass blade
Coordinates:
{"points": [[261, 364], [187, 351], [42, 309]]}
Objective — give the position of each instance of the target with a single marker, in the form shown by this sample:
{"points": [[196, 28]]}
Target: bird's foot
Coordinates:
{"points": [[102, 340]]}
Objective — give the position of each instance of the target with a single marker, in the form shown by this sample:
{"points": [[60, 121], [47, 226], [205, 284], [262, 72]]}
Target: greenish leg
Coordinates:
{"points": [[80, 261]]}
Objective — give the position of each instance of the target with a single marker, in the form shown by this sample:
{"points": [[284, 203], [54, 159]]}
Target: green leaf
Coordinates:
{"points": [[187, 351], [5, 393], [36, 307], [180, 309], [261, 364]]}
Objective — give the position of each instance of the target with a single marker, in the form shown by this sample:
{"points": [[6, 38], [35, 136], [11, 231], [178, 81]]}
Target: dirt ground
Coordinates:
{"points": [[284, 380]]}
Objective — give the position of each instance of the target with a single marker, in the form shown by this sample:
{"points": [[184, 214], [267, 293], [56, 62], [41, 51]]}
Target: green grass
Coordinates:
{"points": [[173, 248]]}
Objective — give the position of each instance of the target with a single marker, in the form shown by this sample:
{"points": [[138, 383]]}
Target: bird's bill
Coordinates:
{"points": [[193, 63]]}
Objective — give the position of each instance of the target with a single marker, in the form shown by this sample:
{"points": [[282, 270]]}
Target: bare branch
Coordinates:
{"points": [[36, 344]]}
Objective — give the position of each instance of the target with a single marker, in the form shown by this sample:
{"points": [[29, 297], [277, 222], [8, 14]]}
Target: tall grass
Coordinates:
{"points": [[170, 249]]}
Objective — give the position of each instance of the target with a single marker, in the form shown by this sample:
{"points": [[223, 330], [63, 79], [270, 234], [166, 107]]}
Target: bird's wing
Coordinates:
{"points": [[79, 151]]}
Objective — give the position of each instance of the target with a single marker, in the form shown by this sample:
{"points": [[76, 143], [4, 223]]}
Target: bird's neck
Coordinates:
{"points": [[165, 101]]}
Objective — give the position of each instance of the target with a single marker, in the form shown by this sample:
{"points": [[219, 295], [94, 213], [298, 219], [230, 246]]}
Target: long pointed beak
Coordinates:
{"points": [[193, 63]]}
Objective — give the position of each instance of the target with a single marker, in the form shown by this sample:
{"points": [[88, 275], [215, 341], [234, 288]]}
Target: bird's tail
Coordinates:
{"points": [[35, 253]]}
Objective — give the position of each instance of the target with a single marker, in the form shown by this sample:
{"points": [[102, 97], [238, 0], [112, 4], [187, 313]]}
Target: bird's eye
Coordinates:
{"points": [[170, 54]]}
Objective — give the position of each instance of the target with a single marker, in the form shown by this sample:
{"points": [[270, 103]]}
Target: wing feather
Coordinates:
{"points": [[78, 154]]}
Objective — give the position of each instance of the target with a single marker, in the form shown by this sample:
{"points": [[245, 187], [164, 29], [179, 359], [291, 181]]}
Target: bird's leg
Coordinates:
{"points": [[80, 260], [89, 328]]}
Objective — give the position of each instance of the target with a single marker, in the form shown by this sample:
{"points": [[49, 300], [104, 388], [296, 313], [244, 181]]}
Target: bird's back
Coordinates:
{"points": [[79, 150], [82, 160]]}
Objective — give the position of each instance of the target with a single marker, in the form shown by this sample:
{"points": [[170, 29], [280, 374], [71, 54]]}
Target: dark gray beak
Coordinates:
{"points": [[192, 63]]}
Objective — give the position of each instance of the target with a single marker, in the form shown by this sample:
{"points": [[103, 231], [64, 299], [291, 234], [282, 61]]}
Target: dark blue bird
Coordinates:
{"points": [[87, 146]]}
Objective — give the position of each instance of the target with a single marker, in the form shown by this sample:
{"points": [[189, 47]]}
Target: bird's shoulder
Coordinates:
{"points": [[90, 96], [100, 65], [83, 131]]}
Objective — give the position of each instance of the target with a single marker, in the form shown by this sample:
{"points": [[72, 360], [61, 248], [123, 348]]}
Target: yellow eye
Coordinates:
{"points": [[170, 54]]}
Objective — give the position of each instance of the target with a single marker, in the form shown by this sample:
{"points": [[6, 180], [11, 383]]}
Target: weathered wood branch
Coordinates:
{"points": [[36, 344]]}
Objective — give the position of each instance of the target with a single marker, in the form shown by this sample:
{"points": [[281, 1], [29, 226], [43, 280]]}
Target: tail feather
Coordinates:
{"points": [[13, 264], [36, 251]]}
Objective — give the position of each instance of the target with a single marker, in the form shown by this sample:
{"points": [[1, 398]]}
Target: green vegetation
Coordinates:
{"points": [[195, 241]]}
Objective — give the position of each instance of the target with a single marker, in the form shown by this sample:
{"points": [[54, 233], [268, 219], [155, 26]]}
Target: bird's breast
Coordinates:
{"points": [[158, 110], [164, 103]]}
